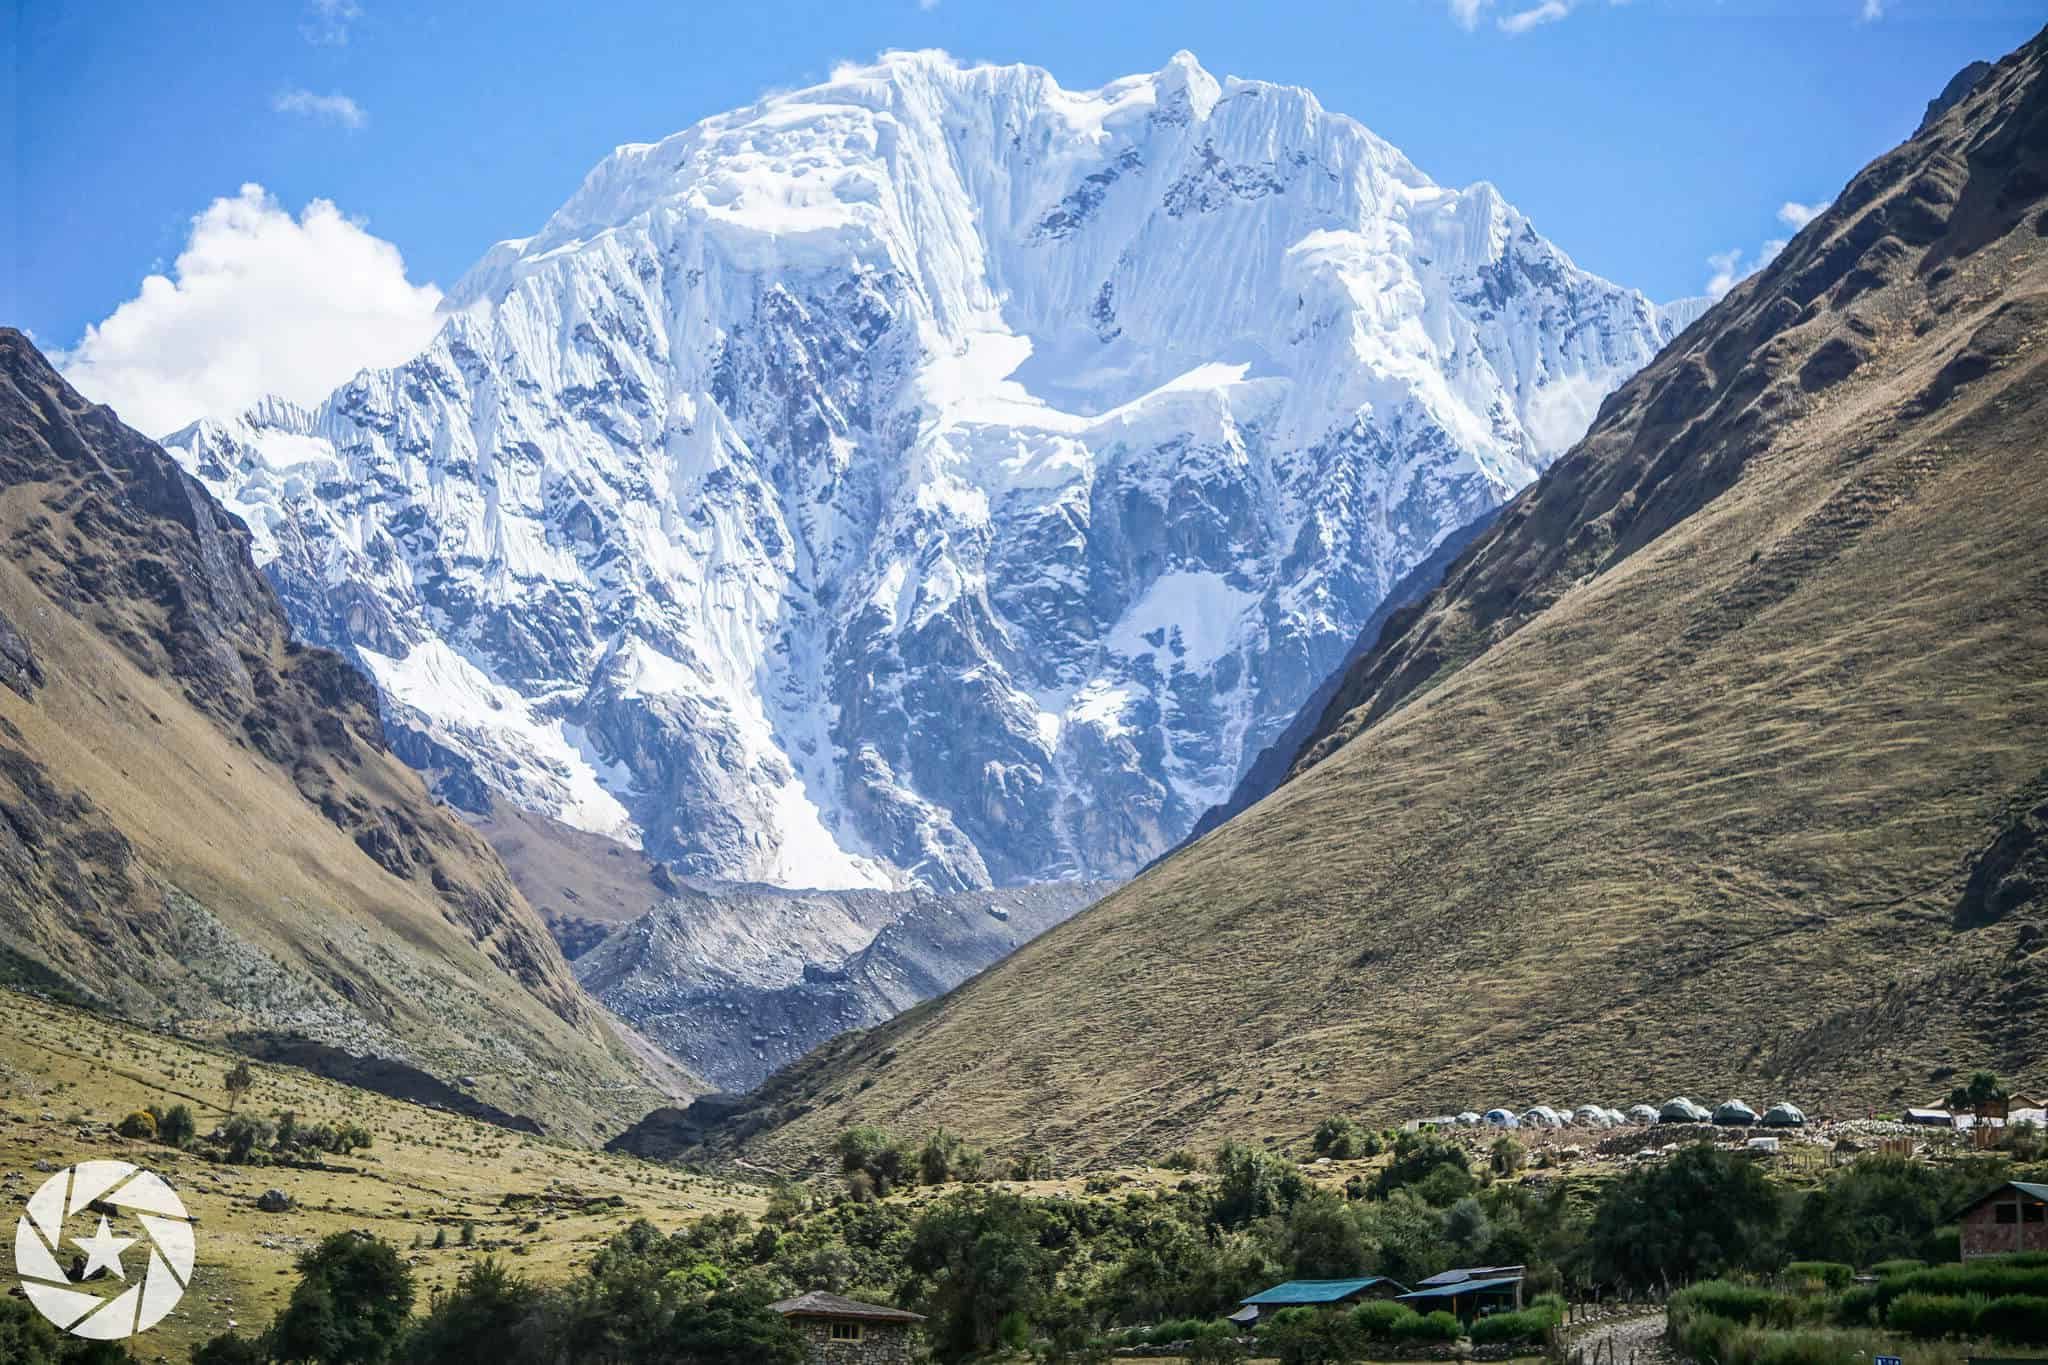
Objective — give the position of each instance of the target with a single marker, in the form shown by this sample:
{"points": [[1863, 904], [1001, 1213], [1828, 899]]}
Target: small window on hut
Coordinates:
{"points": [[2033, 1213], [846, 1331], [2005, 1213]]}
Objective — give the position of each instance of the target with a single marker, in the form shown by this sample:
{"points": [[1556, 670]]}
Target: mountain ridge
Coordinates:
{"points": [[1695, 775], [200, 825], [1080, 428]]}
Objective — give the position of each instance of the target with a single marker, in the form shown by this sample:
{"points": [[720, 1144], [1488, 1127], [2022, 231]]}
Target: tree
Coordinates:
{"points": [[352, 1301], [1507, 1155], [1982, 1092], [1252, 1184], [1881, 1208], [1339, 1138], [1321, 1239], [485, 1317], [1704, 1212], [140, 1124], [935, 1160], [239, 1082], [735, 1329], [978, 1257], [1467, 1227], [1436, 1167]]}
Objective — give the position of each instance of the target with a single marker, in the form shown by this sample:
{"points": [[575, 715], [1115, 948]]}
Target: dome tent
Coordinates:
{"points": [[1734, 1114], [1468, 1119], [1501, 1118], [1784, 1114], [1617, 1119], [1593, 1116], [1679, 1109], [1642, 1113], [1542, 1116]]}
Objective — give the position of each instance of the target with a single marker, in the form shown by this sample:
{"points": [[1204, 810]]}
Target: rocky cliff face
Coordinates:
{"points": [[736, 981], [936, 477]]}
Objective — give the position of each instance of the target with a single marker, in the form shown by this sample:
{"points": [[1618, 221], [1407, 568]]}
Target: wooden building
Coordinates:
{"points": [[2013, 1217], [1469, 1292]]}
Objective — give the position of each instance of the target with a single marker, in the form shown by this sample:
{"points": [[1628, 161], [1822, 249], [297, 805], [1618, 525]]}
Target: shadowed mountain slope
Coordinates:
{"points": [[200, 825], [1715, 766]]}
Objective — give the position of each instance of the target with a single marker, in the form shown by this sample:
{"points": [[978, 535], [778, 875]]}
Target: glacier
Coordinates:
{"points": [[933, 478]]}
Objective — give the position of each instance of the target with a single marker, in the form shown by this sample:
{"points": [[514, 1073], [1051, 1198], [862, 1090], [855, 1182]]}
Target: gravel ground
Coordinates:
{"points": [[1637, 1341]]}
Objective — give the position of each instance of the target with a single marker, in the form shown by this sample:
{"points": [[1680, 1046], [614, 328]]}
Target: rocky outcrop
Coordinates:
{"points": [[736, 981]]}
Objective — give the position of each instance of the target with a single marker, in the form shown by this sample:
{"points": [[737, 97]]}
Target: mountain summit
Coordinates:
{"points": [[935, 477], [1717, 763]]}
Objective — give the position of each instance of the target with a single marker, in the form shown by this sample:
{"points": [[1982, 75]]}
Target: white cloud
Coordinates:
{"points": [[261, 303], [326, 22], [1730, 269], [1549, 12], [1469, 12], [927, 4], [337, 106], [1795, 215], [1873, 10]]}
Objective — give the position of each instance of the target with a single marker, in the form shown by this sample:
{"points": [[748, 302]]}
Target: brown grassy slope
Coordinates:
{"points": [[198, 817], [68, 1077], [1693, 757]]}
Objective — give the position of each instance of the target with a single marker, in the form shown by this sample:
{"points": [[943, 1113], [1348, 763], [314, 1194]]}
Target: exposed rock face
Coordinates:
{"points": [[1959, 85], [198, 817], [931, 478], [736, 981]]}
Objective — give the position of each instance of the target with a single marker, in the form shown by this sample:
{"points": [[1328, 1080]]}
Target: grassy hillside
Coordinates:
{"points": [[199, 819], [68, 1076], [1716, 766]]}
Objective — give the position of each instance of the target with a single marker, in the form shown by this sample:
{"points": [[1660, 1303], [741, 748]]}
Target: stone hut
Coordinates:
{"points": [[839, 1331]]}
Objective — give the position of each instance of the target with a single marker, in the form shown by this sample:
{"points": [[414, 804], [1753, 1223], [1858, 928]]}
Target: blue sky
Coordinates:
{"points": [[1643, 137]]}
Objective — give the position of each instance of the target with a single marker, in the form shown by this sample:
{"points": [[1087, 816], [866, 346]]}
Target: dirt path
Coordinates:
{"points": [[1634, 1341]]}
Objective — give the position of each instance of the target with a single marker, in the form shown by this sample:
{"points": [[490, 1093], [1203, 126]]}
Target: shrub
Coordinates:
{"points": [[1180, 1159], [1217, 1345], [228, 1349], [1900, 1266], [247, 1139], [1381, 1319], [1829, 1275], [1740, 1303], [2021, 1319], [1305, 1336], [1530, 1324], [1437, 1326], [1857, 1307], [140, 1124], [174, 1126], [1993, 1278], [1935, 1315], [1172, 1332]]}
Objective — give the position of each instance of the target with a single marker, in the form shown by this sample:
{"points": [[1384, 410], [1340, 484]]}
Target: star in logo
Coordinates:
{"points": [[103, 1250]]}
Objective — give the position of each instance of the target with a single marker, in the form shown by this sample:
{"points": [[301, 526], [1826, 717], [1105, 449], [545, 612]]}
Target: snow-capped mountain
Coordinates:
{"points": [[932, 477]]}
